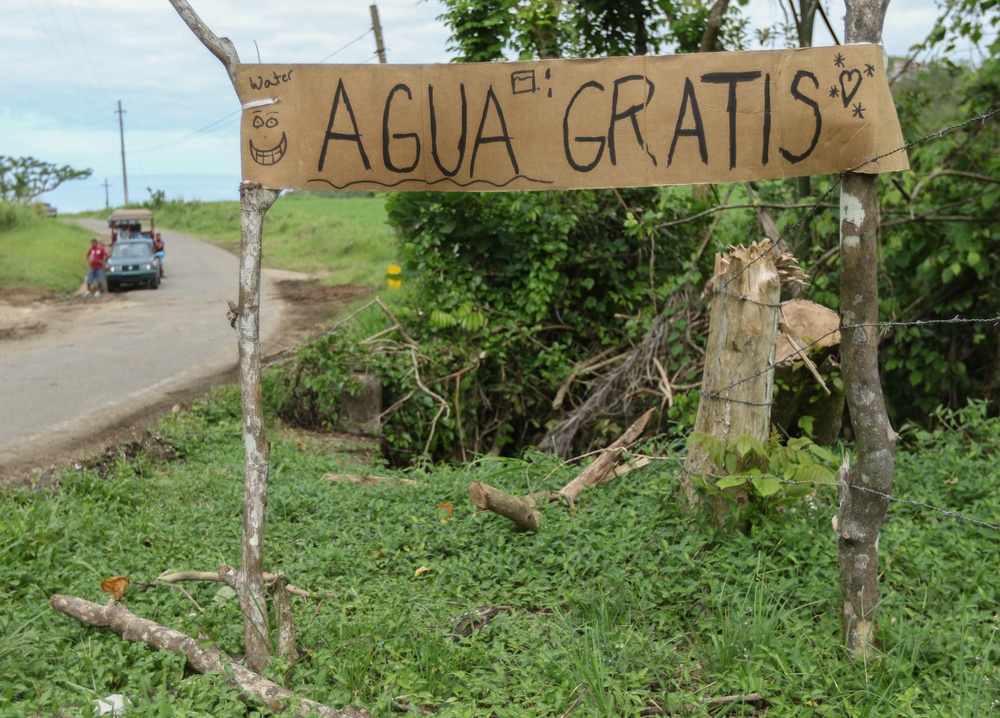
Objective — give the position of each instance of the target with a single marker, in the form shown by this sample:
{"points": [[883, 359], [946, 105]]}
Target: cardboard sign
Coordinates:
{"points": [[569, 124]]}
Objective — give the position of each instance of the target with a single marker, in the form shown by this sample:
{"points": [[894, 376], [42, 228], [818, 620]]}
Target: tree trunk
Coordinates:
{"points": [[862, 512], [254, 203], [713, 27], [738, 382]]}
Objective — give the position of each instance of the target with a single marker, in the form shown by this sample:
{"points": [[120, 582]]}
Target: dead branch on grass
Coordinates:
{"points": [[523, 512], [203, 658], [227, 577]]}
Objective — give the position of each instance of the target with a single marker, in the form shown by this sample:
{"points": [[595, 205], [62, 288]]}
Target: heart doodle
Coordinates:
{"points": [[852, 78]]}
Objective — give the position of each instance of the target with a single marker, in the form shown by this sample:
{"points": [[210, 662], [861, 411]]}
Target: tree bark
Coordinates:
{"points": [[254, 203], [203, 658], [864, 491], [738, 383]]}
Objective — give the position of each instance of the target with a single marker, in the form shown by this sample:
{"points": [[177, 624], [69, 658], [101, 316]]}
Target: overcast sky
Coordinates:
{"points": [[67, 64]]}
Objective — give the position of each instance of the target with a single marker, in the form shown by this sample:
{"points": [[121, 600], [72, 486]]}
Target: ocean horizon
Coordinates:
{"points": [[90, 193]]}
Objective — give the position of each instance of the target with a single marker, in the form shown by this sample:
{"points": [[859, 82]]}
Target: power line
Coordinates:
{"points": [[201, 131], [360, 37]]}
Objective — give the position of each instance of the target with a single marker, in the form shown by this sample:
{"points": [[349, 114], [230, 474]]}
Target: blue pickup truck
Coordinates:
{"points": [[133, 260]]}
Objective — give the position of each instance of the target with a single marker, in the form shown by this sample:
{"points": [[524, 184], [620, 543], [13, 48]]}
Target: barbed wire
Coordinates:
{"points": [[804, 350], [937, 134], [957, 515]]}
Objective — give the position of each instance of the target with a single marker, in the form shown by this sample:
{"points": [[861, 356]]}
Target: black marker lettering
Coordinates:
{"points": [[599, 140], [331, 135], [505, 137], [730, 78], [767, 120], [697, 131], [434, 137], [272, 81], [386, 158], [630, 113], [813, 104]]}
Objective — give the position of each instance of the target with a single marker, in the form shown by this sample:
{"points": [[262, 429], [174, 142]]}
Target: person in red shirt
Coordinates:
{"points": [[97, 256]]}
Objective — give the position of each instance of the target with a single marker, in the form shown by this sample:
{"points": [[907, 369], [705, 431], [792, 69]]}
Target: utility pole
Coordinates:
{"points": [[107, 198], [377, 27], [121, 133]]}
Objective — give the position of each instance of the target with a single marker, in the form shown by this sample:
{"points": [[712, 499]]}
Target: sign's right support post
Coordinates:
{"points": [[865, 490]]}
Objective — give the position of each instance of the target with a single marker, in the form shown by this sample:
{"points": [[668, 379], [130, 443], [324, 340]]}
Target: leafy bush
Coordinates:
{"points": [[308, 392], [507, 293], [946, 263]]}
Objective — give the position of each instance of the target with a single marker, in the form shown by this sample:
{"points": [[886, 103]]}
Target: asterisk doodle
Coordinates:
{"points": [[838, 60], [858, 111], [869, 70], [834, 91]]}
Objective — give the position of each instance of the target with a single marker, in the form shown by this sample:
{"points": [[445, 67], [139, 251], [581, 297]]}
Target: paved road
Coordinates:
{"points": [[101, 361]]}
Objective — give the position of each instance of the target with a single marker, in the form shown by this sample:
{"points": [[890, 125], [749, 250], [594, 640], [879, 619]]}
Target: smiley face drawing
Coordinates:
{"points": [[264, 125]]}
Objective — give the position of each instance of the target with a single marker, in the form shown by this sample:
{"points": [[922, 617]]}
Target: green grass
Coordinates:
{"points": [[625, 604], [41, 253]]}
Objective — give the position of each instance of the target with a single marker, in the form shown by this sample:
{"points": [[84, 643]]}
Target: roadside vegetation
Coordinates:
{"points": [[626, 605], [39, 254]]}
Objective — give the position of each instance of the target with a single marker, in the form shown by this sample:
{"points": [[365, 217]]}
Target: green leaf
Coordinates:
{"points": [[766, 485], [744, 444], [727, 482]]}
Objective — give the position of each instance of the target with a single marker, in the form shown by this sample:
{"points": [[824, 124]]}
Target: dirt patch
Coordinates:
{"points": [[310, 306], [148, 444]]}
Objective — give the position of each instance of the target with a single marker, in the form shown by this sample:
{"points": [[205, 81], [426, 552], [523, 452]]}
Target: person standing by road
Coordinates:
{"points": [[97, 257], [160, 250]]}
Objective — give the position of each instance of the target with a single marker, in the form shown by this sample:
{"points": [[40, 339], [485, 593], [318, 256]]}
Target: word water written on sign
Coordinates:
{"points": [[569, 124]]}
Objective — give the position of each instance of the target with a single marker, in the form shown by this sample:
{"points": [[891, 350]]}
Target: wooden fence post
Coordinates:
{"points": [[865, 490], [247, 581]]}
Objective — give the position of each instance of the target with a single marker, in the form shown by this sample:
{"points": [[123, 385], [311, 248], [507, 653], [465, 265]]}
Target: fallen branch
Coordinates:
{"points": [[523, 512], [204, 659], [599, 467], [269, 578], [754, 699]]}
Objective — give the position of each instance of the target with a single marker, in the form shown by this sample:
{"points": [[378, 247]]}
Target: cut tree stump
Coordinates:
{"points": [[738, 382]]}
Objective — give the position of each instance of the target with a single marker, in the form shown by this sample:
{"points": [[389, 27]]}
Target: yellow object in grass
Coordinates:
{"points": [[394, 276]]}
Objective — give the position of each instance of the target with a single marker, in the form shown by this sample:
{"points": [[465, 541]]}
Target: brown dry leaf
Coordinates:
{"points": [[116, 586], [420, 571]]}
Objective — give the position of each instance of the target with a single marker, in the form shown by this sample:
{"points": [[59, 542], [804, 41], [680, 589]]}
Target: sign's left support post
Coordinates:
{"points": [[255, 200]]}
